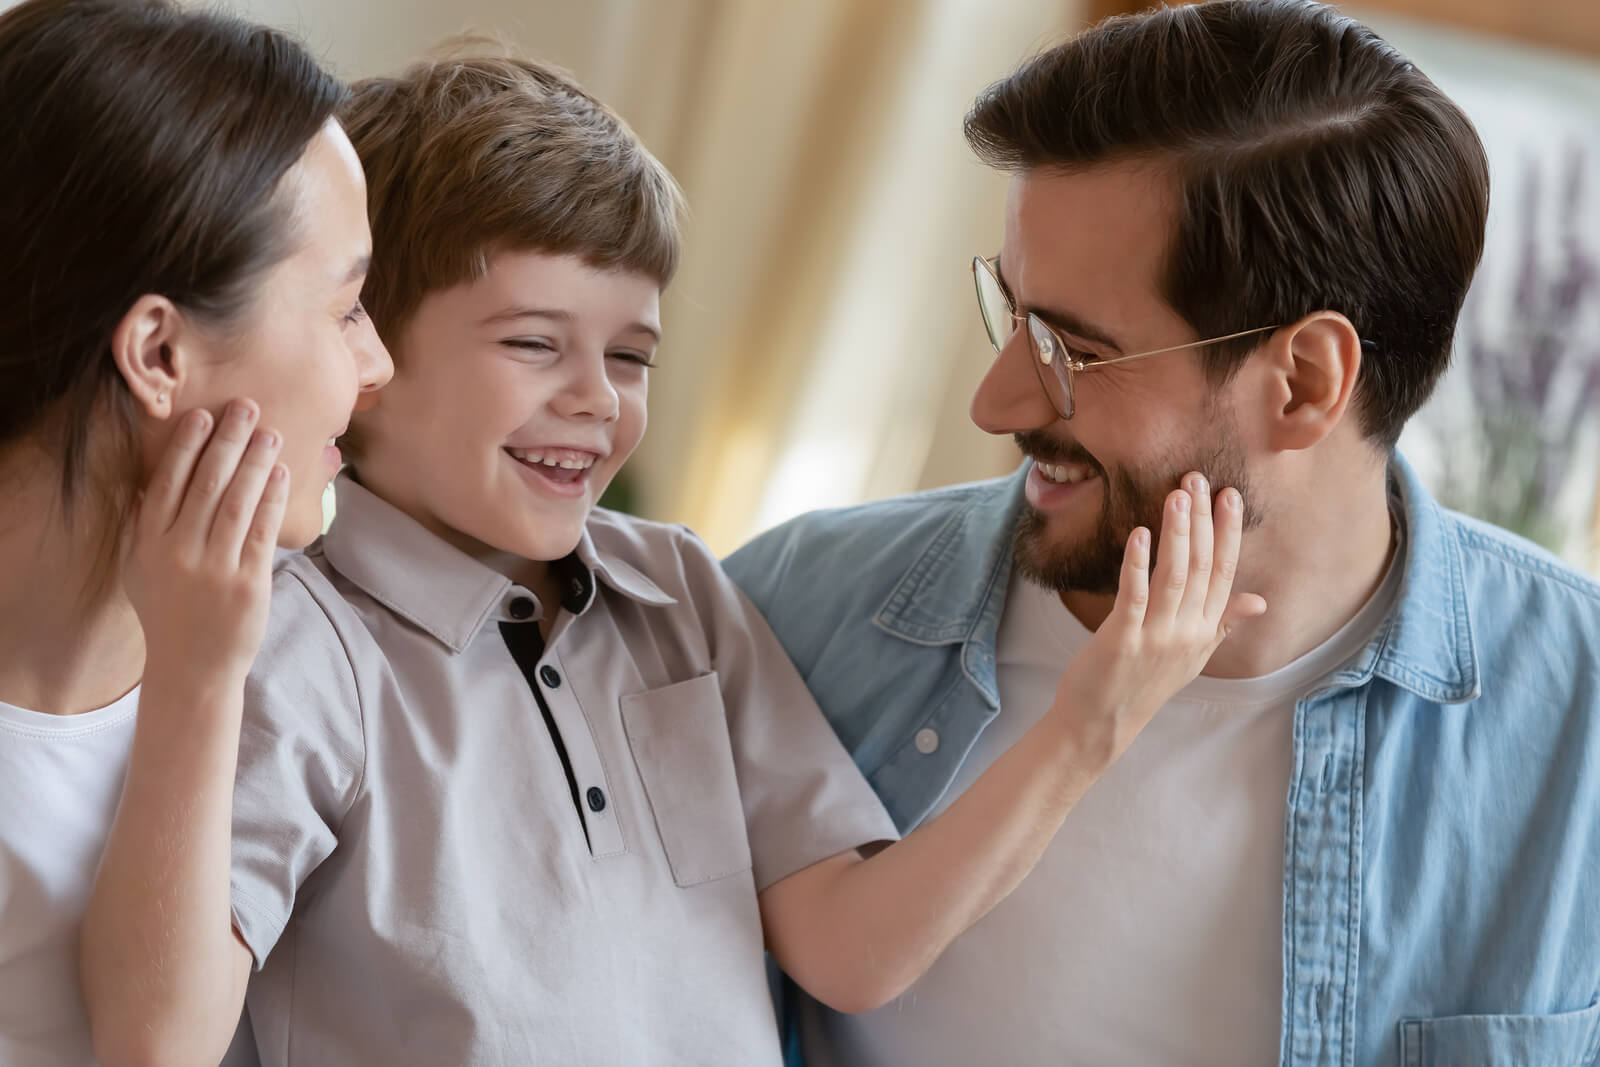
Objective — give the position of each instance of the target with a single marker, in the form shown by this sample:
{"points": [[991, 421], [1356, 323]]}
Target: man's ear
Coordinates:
{"points": [[149, 353], [1310, 377]]}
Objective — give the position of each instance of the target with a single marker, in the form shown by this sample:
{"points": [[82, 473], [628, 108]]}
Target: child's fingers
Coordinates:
{"points": [[1229, 532], [1172, 560], [1133, 588], [164, 495], [240, 501], [260, 543], [1200, 546], [215, 470]]}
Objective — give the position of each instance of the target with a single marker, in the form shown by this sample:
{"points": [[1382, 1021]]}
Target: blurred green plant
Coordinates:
{"points": [[621, 494]]}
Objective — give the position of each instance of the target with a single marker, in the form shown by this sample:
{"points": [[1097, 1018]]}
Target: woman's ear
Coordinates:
{"points": [[148, 353], [1314, 366]]}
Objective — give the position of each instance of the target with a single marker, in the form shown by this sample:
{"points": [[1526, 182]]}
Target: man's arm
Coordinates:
{"points": [[856, 933]]}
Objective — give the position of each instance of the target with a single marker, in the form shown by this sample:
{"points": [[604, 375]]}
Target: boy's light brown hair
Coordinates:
{"points": [[471, 154]]}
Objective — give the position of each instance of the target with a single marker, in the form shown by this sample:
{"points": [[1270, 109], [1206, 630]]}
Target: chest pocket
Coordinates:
{"points": [[679, 738], [1568, 1039]]}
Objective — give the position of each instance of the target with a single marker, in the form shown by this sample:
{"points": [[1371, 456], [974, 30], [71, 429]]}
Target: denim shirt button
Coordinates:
{"points": [[927, 741]]}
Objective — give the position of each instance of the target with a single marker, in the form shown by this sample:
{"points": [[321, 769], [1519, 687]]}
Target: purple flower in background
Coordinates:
{"points": [[1536, 381]]}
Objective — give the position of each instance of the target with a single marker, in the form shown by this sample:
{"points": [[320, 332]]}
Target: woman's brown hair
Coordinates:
{"points": [[141, 145]]}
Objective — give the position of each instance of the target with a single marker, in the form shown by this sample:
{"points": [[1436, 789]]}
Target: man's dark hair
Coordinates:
{"points": [[1317, 169]]}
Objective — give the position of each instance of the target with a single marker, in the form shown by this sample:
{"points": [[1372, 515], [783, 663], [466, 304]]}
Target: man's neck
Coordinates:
{"points": [[63, 648], [1316, 563]]}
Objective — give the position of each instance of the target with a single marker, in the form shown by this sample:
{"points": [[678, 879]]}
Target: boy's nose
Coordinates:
{"points": [[588, 392]]}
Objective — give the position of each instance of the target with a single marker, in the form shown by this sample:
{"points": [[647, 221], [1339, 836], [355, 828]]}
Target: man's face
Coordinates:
{"points": [[1084, 251]]}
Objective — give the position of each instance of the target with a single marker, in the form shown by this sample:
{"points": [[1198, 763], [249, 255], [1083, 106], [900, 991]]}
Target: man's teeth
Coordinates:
{"points": [[551, 460], [1064, 473]]}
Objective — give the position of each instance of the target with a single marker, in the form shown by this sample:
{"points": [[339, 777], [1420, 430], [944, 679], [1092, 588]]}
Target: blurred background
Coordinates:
{"points": [[822, 339]]}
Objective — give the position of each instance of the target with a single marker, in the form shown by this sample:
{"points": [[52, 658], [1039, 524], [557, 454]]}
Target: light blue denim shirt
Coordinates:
{"points": [[1441, 871]]}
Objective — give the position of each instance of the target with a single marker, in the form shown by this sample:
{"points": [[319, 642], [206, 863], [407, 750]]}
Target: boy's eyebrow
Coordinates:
{"points": [[559, 314]]}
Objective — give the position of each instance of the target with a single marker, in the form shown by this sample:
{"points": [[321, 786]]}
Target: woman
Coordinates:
{"points": [[183, 240]]}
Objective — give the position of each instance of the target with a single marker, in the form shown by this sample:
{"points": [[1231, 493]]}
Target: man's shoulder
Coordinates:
{"points": [[1533, 620], [892, 526], [1497, 563]]}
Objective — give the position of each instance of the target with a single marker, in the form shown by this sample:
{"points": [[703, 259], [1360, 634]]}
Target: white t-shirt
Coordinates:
{"points": [[60, 779], [1151, 930]]}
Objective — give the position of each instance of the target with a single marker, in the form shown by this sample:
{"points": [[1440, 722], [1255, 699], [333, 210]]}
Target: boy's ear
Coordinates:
{"points": [[1310, 379], [149, 352]]}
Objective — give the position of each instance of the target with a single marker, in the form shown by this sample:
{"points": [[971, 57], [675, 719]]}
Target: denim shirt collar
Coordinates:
{"points": [[1426, 645], [955, 590], [954, 593]]}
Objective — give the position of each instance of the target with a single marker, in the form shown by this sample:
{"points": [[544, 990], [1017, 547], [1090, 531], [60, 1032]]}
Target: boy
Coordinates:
{"points": [[522, 781]]}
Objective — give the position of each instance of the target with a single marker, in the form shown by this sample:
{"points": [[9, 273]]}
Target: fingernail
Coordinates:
{"points": [[1200, 486], [198, 421], [1231, 499], [1183, 503], [279, 473], [267, 438]]}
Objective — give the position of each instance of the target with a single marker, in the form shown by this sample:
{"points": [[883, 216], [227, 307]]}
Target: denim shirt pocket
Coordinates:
{"points": [[1566, 1039], [679, 738]]}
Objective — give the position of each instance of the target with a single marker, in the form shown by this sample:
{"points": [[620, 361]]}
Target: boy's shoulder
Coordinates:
{"points": [[308, 608], [668, 556]]}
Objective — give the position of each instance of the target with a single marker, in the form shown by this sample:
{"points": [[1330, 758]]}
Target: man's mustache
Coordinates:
{"points": [[1044, 448]]}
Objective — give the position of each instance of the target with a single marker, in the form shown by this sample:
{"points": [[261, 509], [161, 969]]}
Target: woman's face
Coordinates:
{"points": [[305, 349]]}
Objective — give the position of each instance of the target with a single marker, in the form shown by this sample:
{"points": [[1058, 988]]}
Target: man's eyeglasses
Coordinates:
{"points": [[1054, 360]]}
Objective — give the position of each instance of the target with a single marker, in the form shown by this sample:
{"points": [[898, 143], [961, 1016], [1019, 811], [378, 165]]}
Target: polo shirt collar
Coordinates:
{"points": [[438, 588]]}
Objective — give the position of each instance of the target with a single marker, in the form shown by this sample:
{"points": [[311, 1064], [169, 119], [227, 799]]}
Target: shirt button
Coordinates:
{"points": [[579, 588], [597, 799], [520, 608], [550, 676], [927, 741]]}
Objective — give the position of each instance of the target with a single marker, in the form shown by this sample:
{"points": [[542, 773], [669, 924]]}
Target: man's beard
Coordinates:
{"points": [[1131, 497]]}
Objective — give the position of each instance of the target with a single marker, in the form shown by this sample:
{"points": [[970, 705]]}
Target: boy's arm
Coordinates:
{"points": [[856, 933]]}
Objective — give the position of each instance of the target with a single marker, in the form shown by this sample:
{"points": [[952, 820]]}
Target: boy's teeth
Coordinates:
{"points": [[539, 456], [1064, 473]]}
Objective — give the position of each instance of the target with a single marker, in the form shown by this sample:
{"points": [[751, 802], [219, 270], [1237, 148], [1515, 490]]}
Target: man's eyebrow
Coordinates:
{"points": [[1060, 318], [511, 314]]}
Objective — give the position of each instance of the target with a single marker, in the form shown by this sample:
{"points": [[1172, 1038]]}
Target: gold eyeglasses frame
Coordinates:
{"points": [[1051, 353]]}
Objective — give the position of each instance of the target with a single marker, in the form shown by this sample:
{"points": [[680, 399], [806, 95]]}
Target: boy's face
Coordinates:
{"points": [[516, 399]]}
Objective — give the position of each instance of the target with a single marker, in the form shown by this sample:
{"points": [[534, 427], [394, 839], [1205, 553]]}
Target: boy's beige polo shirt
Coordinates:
{"points": [[410, 871]]}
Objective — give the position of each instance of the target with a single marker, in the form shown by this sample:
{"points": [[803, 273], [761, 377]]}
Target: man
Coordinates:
{"points": [[1370, 833]]}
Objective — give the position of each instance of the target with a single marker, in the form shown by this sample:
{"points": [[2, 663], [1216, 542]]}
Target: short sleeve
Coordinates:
{"points": [[803, 797], [300, 758]]}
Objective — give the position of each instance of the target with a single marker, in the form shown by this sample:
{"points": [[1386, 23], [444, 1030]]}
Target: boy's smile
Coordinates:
{"points": [[517, 397]]}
